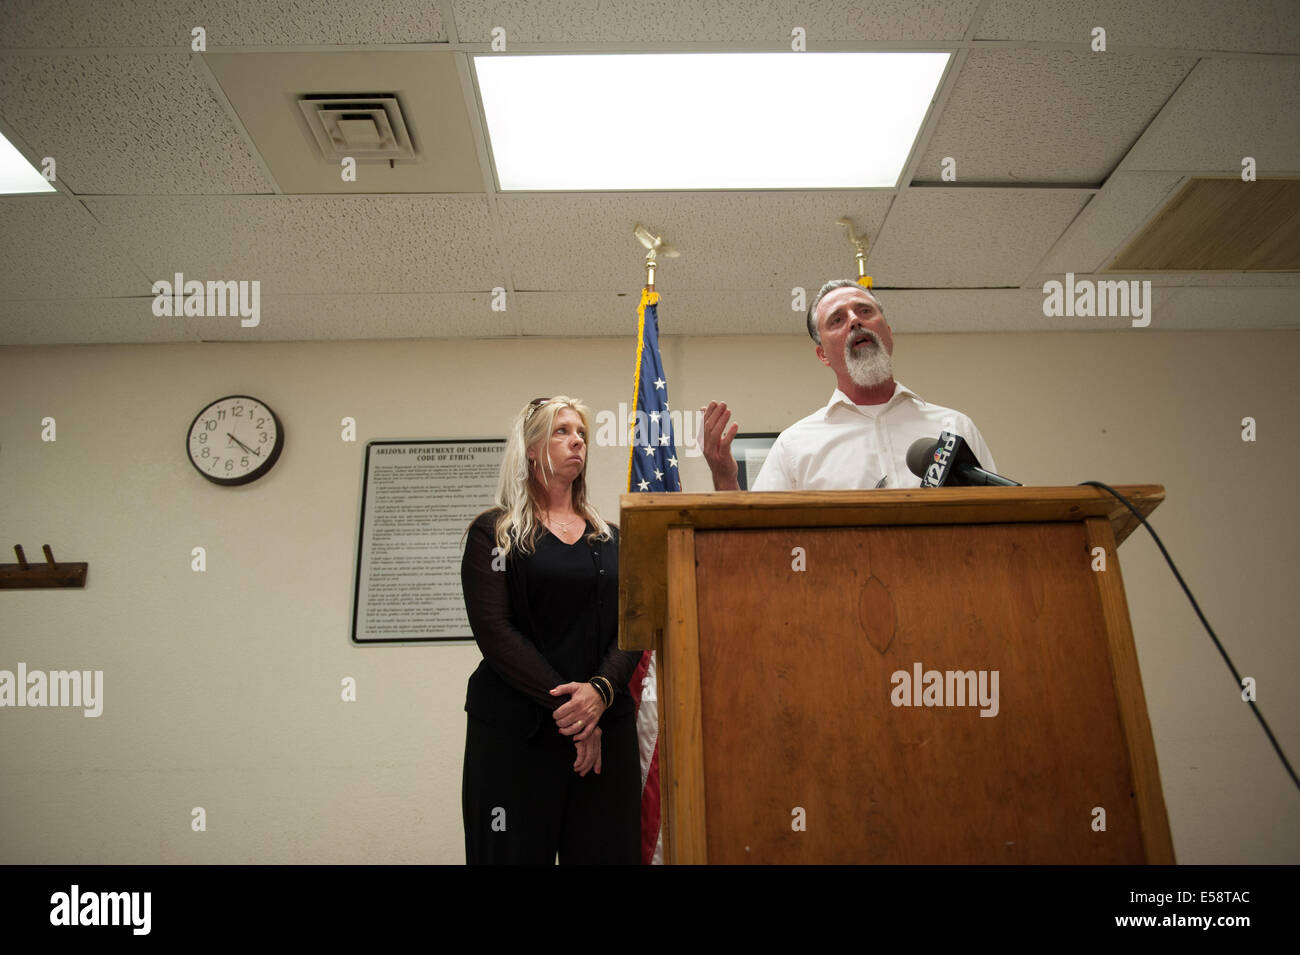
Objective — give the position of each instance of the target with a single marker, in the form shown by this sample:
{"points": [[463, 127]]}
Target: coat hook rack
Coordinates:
{"points": [[25, 576]]}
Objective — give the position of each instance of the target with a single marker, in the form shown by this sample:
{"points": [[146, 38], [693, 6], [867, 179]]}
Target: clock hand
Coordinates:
{"points": [[242, 445]]}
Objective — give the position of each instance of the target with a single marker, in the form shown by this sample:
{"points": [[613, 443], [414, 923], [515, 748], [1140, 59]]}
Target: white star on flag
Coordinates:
{"points": [[654, 416], [644, 486], [663, 439], [659, 383], [672, 462], [659, 475], [649, 450]]}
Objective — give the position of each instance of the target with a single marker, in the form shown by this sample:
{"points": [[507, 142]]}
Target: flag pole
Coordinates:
{"points": [[658, 468], [654, 244], [859, 243]]}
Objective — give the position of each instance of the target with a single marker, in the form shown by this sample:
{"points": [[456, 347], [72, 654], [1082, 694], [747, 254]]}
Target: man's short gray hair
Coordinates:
{"points": [[830, 286]]}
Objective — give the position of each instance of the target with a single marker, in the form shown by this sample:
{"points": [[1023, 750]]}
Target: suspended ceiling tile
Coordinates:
{"points": [[282, 318], [1254, 105], [727, 240], [1235, 308], [369, 316], [1047, 115], [599, 314], [264, 88], [126, 124], [307, 244], [969, 238], [910, 311], [1214, 224], [1124, 203], [1257, 26], [585, 314], [687, 21], [51, 248], [43, 24], [1211, 279], [91, 321], [964, 310], [946, 311], [593, 314]]}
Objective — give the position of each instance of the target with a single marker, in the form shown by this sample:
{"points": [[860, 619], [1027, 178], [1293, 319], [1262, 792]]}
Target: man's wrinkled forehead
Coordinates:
{"points": [[841, 296]]}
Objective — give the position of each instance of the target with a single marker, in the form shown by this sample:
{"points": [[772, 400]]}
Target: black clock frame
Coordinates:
{"points": [[247, 478]]}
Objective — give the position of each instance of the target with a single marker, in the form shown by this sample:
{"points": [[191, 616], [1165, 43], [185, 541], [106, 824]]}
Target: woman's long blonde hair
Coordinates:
{"points": [[519, 496]]}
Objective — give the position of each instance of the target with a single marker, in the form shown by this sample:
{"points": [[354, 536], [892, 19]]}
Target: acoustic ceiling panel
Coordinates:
{"points": [[1047, 115], [606, 314], [52, 249], [729, 240], [127, 124], [752, 22], [969, 238], [1124, 203], [93, 321], [1211, 309], [1228, 109], [302, 244], [264, 90], [62, 24], [1221, 224], [1254, 26]]}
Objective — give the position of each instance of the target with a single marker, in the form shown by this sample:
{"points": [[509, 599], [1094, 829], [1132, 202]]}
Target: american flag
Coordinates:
{"points": [[652, 466], [652, 457]]}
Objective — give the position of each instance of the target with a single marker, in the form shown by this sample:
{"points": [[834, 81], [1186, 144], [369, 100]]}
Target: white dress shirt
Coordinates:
{"points": [[845, 446]]}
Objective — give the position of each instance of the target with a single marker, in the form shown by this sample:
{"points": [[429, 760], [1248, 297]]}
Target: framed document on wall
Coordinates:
{"points": [[418, 499], [750, 451]]}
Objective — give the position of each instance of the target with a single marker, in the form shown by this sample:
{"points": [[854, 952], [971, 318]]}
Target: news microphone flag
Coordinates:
{"points": [[651, 466]]}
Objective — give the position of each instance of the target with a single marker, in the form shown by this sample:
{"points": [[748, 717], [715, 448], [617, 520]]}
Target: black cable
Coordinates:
{"points": [[1210, 630]]}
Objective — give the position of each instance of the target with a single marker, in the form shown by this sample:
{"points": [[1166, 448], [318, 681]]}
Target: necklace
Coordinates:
{"points": [[560, 524]]}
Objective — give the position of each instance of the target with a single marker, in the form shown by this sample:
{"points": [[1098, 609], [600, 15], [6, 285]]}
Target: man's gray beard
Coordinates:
{"points": [[874, 368]]}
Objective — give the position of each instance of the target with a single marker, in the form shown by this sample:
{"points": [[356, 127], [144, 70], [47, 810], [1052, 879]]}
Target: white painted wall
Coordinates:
{"points": [[222, 688]]}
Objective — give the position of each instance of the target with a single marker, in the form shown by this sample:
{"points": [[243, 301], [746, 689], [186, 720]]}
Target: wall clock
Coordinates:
{"points": [[234, 440]]}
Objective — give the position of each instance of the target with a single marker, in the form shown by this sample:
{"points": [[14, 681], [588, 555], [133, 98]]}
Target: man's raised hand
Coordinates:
{"points": [[715, 441]]}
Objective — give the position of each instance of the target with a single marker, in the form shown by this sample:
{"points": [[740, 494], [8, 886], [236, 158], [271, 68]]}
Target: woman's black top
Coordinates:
{"points": [[547, 618]]}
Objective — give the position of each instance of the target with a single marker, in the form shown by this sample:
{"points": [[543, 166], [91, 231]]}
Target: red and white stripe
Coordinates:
{"points": [[644, 690]]}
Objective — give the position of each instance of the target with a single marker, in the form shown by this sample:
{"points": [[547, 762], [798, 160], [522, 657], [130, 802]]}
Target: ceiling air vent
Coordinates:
{"points": [[366, 126]]}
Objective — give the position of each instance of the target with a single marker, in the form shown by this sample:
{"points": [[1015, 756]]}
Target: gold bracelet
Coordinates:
{"points": [[609, 688]]}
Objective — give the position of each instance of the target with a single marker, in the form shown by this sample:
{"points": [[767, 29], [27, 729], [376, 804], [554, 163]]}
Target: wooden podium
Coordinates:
{"points": [[827, 665]]}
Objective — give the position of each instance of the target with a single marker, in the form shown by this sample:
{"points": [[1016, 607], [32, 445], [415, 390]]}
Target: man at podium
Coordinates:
{"points": [[860, 438]]}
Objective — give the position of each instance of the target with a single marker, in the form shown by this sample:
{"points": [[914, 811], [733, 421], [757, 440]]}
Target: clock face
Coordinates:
{"points": [[234, 440]]}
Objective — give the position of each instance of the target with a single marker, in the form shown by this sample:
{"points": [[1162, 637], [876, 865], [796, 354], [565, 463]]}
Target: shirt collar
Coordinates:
{"points": [[840, 398]]}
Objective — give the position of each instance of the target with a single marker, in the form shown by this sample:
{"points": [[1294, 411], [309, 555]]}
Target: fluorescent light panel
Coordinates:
{"points": [[705, 121], [17, 175]]}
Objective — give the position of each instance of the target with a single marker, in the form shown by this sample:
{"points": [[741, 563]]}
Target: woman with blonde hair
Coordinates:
{"points": [[551, 760]]}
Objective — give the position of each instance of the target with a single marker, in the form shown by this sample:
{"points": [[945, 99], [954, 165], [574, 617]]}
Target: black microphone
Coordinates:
{"points": [[949, 462]]}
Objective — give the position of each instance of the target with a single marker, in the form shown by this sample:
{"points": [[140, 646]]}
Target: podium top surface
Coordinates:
{"points": [[932, 505], [644, 521]]}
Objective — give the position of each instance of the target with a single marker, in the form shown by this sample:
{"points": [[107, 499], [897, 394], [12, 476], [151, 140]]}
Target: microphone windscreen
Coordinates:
{"points": [[920, 455]]}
